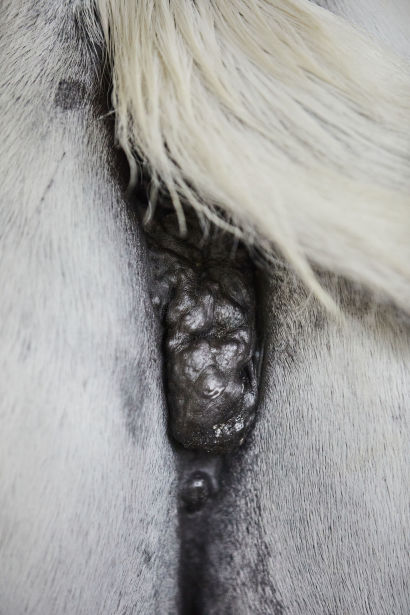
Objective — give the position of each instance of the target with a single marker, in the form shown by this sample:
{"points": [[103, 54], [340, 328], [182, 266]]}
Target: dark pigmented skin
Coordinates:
{"points": [[70, 95], [203, 291], [196, 491]]}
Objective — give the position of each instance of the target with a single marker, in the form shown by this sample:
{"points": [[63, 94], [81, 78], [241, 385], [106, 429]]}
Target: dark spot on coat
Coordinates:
{"points": [[70, 94]]}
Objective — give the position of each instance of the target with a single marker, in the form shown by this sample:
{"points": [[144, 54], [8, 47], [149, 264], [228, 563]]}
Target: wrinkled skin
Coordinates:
{"points": [[204, 293]]}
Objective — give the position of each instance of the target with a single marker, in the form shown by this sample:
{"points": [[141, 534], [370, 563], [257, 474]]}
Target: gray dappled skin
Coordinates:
{"points": [[87, 481], [313, 512]]}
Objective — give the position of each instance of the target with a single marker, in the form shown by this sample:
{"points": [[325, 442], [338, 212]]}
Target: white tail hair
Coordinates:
{"points": [[279, 114]]}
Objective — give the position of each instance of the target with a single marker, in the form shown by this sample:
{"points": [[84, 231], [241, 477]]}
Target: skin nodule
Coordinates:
{"points": [[204, 294]]}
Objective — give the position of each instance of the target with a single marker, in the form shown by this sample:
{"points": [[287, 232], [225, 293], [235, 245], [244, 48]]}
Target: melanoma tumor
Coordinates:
{"points": [[202, 288]]}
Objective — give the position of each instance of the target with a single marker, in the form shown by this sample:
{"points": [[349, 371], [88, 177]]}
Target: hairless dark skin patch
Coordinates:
{"points": [[203, 291]]}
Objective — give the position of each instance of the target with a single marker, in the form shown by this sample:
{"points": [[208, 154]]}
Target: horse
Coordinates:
{"points": [[101, 511]]}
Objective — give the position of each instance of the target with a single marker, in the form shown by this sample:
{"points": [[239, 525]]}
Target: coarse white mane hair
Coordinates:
{"points": [[281, 115]]}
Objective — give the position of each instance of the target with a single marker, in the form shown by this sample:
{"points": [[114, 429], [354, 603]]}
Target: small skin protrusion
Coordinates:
{"points": [[196, 491]]}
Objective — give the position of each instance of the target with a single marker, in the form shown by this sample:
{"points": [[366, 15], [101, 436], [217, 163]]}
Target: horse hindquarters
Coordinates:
{"points": [[87, 520], [311, 519], [314, 511]]}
